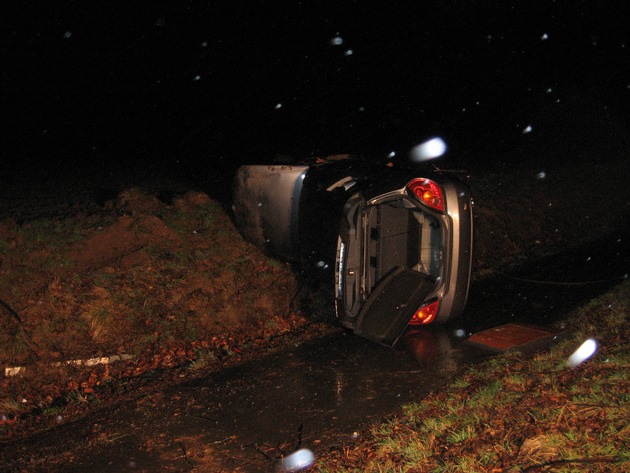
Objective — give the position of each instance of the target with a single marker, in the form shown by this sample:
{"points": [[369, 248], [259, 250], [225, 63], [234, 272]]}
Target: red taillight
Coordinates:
{"points": [[428, 192], [425, 314]]}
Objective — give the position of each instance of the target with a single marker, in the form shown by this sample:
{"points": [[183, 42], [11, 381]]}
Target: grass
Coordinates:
{"points": [[516, 414]]}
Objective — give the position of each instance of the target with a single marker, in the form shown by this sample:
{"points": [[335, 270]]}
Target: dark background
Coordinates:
{"points": [[193, 88]]}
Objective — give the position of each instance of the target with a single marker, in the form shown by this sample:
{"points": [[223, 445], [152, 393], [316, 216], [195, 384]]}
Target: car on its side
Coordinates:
{"points": [[395, 242]]}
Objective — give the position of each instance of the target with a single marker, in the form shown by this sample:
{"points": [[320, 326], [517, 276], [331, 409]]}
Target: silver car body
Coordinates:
{"points": [[388, 253]]}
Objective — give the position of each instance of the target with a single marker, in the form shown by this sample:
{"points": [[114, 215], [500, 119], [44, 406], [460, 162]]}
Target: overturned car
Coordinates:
{"points": [[396, 243]]}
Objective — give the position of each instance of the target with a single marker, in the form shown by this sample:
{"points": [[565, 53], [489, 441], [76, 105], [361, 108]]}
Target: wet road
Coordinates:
{"points": [[314, 395], [317, 395], [321, 393]]}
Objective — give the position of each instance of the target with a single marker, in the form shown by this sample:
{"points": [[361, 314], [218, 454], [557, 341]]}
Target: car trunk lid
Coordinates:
{"points": [[392, 304]]}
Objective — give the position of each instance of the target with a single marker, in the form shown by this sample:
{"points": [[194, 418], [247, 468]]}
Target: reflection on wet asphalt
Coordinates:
{"points": [[322, 392], [315, 396]]}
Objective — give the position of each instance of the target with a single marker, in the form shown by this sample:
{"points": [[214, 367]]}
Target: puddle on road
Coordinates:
{"points": [[320, 393]]}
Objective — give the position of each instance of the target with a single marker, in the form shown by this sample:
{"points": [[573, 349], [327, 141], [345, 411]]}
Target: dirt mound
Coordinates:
{"points": [[137, 277]]}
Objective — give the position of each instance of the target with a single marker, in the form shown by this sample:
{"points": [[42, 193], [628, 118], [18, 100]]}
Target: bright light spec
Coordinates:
{"points": [[579, 356], [297, 461], [431, 149]]}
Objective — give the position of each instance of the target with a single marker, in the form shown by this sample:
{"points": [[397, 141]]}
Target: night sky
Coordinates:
{"points": [[196, 87]]}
